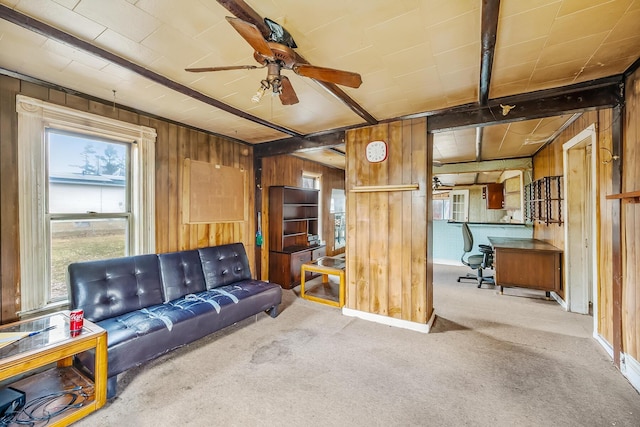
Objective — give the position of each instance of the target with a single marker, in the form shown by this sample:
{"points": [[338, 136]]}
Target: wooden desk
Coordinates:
{"points": [[325, 266], [56, 346], [527, 263]]}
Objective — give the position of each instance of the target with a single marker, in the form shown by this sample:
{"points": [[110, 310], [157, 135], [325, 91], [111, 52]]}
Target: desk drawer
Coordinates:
{"points": [[297, 259], [318, 253]]}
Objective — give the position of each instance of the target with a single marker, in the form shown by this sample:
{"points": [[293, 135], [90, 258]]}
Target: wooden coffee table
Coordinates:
{"points": [[22, 359], [326, 266]]}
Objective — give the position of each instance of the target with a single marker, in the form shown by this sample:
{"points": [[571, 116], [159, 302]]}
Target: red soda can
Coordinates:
{"points": [[76, 320]]}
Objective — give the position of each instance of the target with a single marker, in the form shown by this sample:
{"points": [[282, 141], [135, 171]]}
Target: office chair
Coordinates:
{"points": [[476, 262]]}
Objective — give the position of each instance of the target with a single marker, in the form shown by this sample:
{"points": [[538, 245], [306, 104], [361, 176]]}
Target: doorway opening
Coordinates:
{"points": [[580, 249]]}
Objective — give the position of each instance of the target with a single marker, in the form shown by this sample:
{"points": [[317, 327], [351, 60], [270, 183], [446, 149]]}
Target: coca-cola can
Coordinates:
{"points": [[76, 320]]}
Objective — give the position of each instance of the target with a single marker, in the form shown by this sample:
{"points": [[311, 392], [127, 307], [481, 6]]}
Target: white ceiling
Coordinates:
{"points": [[414, 56]]}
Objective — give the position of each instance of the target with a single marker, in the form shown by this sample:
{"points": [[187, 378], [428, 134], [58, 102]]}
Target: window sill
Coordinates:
{"points": [[49, 308]]}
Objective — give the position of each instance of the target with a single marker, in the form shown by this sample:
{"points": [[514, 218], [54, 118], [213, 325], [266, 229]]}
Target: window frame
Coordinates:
{"points": [[34, 117]]}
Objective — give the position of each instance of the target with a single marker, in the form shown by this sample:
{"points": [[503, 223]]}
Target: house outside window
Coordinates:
{"points": [[86, 191], [88, 209]]}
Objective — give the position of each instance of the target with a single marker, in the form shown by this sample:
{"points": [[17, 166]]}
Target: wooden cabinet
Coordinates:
{"points": [[293, 233], [494, 194]]}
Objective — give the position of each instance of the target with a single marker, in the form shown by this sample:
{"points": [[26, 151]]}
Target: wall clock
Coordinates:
{"points": [[376, 151]]}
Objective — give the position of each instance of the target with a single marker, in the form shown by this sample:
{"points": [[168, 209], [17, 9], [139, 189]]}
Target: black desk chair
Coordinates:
{"points": [[476, 262]]}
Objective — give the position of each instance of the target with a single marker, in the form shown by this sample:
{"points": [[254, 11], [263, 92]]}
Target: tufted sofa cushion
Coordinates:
{"points": [[109, 288], [224, 264], [181, 274]]}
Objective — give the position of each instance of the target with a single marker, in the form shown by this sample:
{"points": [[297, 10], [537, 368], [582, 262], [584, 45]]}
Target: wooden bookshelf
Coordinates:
{"points": [[293, 233]]}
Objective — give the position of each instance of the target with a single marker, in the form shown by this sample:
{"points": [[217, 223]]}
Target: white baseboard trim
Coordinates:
{"points": [[447, 262], [560, 301], [631, 369], [607, 347], [391, 321]]}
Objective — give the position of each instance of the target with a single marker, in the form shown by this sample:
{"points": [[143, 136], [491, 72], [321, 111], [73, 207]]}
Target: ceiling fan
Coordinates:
{"points": [[276, 54], [436, 184]]}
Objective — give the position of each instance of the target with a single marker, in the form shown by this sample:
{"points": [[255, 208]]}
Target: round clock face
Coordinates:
{"points": [[376, 151]]}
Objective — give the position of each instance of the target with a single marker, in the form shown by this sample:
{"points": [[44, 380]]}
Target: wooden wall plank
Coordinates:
{"points": [[631, 220], [406, 256], [419, 224], [395, 209], [604, 215], [33, 90], [57, 96], [360, 259], [174, 220], [9, 227], [379, 232], [162, 184], [183, 151]]}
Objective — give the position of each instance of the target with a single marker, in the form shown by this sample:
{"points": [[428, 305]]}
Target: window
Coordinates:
{"points": [[440, 209], [88, 209], [86, 192], [311, 181], [459, 205]]}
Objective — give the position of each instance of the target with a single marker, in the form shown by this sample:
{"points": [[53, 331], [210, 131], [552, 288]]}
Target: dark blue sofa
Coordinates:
{"points": [[151, 304]]}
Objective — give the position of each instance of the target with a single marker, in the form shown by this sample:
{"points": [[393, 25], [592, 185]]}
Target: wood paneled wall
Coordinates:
{"points": [[288, 170], [389, 270], [549, 161], [174, 143], [631, 221], [9, 231]]}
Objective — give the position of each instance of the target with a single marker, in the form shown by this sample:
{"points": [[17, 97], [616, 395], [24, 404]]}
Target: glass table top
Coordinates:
{"points": [[331, 262], [15, 338]]}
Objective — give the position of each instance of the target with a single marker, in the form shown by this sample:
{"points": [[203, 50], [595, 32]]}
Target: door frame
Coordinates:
{"points": [[577, 294]]}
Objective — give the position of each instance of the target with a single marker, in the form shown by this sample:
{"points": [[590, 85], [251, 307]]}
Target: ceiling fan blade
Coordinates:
{"points": [[252, 35], [230, 67], [345, 78], [287, 94]]}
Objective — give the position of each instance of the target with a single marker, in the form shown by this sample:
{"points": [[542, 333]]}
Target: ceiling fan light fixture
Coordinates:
{"points": [[264, 85], [276, 87]]}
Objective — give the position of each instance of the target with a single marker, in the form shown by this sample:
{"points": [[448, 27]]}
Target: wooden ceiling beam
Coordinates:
{"points": [[490, 12], [603, 93], [291, 145], [521, 163], [243, 11], [48, 31]]}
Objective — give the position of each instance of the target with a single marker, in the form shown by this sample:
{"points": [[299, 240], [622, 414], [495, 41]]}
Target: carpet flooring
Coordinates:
{"points": [[490, 360]]}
